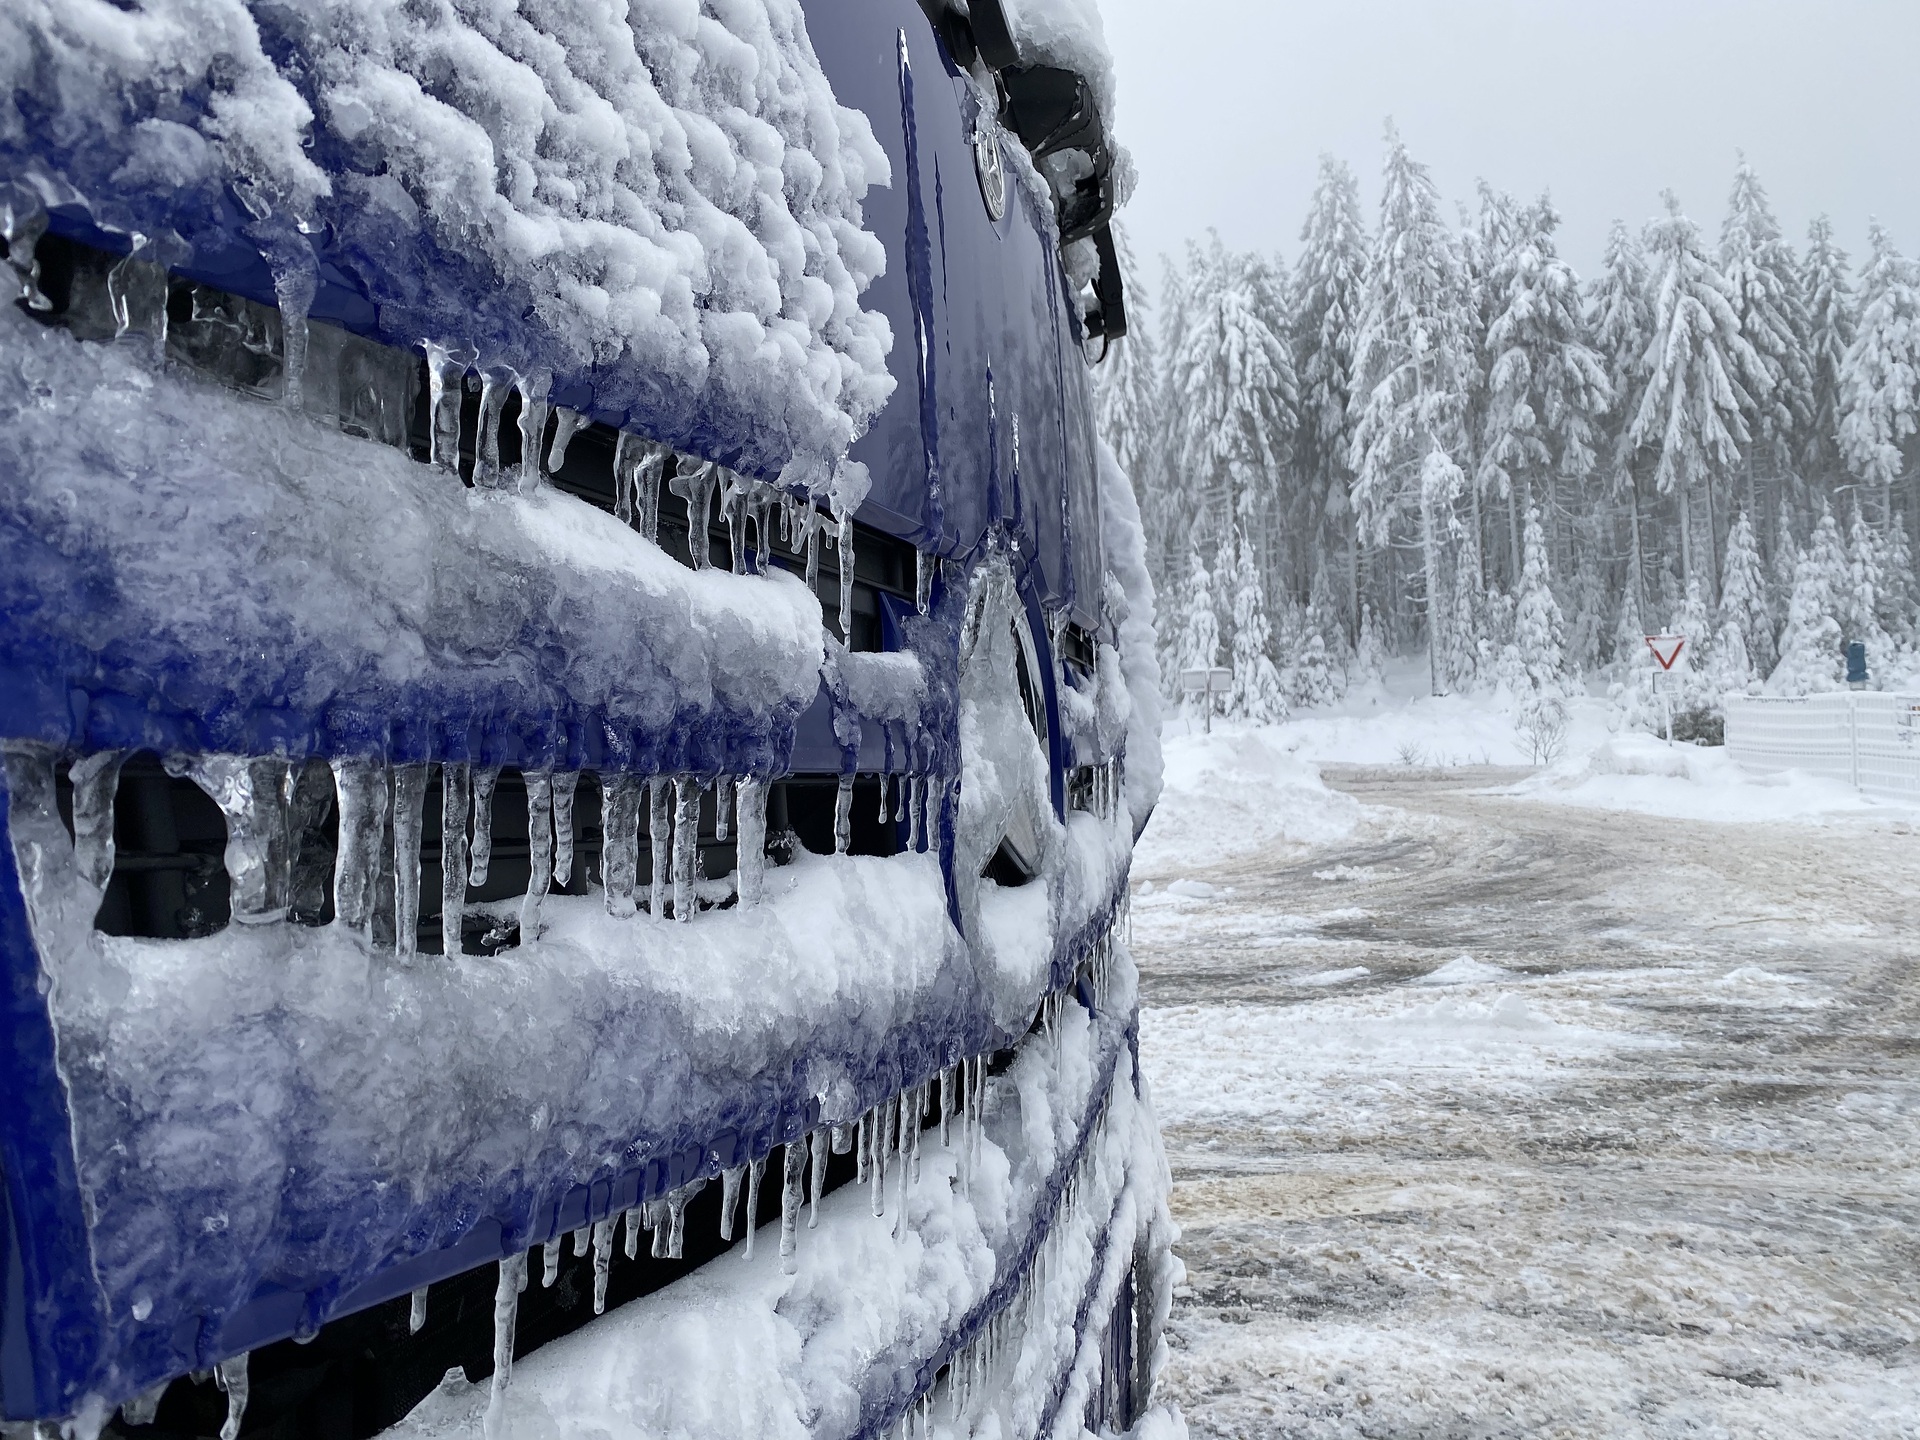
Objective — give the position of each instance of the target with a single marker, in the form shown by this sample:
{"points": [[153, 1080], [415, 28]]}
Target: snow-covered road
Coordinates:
{"points": [[1490, 1117]]}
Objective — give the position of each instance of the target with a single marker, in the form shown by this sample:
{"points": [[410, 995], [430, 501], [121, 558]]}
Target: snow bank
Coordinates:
{"points": [[1238, 790], [657, 201], [1643, 773]]}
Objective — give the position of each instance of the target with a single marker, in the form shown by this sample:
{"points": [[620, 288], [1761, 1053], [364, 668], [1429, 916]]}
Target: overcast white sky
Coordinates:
{"points": [[1227, 105]]}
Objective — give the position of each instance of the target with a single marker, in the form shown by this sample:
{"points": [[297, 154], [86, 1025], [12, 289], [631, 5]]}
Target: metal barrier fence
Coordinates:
{"points": [[1868, 740]]}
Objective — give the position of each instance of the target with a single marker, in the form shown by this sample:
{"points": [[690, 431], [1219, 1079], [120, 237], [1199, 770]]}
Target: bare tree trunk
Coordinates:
{"points": [[1686, 535], [1635, 557], [1513, 537]]}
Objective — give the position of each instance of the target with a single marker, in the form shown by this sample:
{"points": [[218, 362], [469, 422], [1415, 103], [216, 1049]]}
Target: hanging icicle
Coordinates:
{"points": [[686, 847], [446, 382], [539, 785], [843, 816], [754, 1173], [566, 424], [506, 1313], [792, 1178], [409, 793], [232, 1378], [565, 782], [495, 385], [455, 801], [660, 842], [533, 426], [750, 848], [417, 1311], [484, 779], [620, 842], [602, 1262], [729, 1198]]}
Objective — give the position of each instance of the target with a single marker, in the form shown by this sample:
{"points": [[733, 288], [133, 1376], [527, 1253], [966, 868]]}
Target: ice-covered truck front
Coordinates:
{"points": [[576, 692]]}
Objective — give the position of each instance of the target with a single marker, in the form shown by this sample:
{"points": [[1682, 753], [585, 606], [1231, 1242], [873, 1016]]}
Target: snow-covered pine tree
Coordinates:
{"points": [[1811, 657], [1369, 652], [1198, 647], [1620, 321], [1880, 378], [1702, 374], [1782, 568], [1539, 630], [1413, 360], [1897, 615], [1547, 389], [1329, 287], [1487, 257], [1257, 693], [1858, 605], [1829, 303], [1129, 412], [1314, 680], [1233, 396], [1743, 601], [1768, 300]]}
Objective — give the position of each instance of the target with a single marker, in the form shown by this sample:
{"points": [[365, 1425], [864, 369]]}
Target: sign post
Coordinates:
{"points": [[1207, 682], [1666, 651]]}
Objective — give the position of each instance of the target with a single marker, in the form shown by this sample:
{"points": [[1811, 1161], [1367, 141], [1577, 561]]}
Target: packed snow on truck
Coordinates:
{"points": [[576, 691]]}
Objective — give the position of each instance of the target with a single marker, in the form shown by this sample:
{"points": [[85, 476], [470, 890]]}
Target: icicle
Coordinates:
{"points": [[754, 1171], [143, 1407], [484, 779], [817, 1182], [602, 1262], [566, 424], [417, 1311], [792, 1177], [919, 1119], [495, 385], [660, 841], [533, 426], [722, 806], [636, 1217], [677, 1218], [842, 1139], [626, 461], [550, 1263], [759, 504], [564, 784], [656, 1217], [137, 297], [729, 1198], [96, 779], [694, 484], [843, 816], [860, 1150], [232, 1375], [733, 509], [923, 568], [409, 790], [915, 809], [903, 1157], [686, 847], [539, 785], [750, 848], [620, 844], [886, 810], [646, 484], [506, 1311], [455, 800], [362, 789], [253, 796], [446, 377], [946, 1105], [811, 532], [845, 556]]}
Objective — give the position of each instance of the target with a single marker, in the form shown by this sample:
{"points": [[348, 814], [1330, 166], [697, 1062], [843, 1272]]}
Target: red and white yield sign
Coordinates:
{"points": [[1666, 648]]}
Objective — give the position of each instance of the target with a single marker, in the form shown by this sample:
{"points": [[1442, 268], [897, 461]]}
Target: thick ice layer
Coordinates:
{"points": [[847, 1341], [222, 575], [657, 203]]}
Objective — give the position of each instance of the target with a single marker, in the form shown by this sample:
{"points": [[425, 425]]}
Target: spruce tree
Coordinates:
{"points": [[1811, 657], [1620, 320], [1199, 642], [1880, 378], [1768, 301], [1539, 630], [1702, 375], [1257, 694], [1234, 398], [1829, 303], [1413, 360], [1547, 388], [1858, 608], [1743, 600], [1130, 414], [1329, 287]]}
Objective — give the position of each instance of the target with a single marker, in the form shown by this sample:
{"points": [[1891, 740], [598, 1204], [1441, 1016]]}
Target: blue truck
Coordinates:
{"points": [[565, 698]]}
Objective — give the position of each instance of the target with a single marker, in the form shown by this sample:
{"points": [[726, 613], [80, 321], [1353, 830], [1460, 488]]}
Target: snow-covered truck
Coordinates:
{"points": [[576, 692]]}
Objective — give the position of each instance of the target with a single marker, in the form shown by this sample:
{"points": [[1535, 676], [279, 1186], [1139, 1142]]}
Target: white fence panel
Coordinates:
{"points": [[1868, 740]]}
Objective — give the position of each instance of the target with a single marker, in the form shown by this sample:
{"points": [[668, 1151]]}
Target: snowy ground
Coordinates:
{"points": [[1587, 1108]]}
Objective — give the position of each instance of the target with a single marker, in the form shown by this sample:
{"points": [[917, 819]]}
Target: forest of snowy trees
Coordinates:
{"points": [[1434, 437]]}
